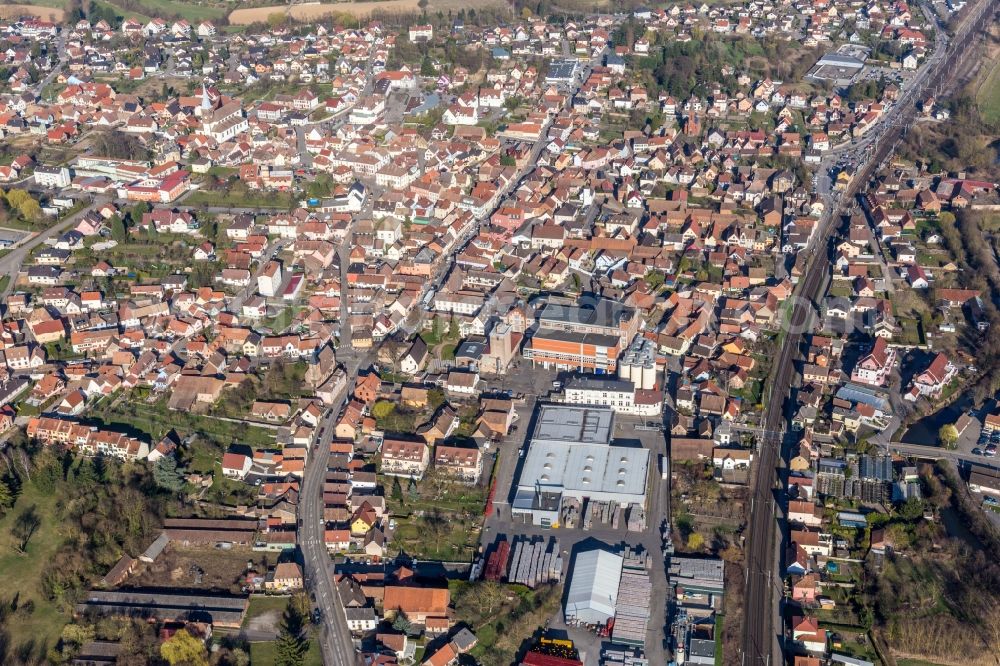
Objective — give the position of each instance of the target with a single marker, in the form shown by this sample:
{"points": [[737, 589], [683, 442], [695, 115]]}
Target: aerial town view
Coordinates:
{"points": [[500, 332]]}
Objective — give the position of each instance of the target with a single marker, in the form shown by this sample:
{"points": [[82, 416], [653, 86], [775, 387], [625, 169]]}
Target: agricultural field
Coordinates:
{"points": [[317, 10], [41, 11]]}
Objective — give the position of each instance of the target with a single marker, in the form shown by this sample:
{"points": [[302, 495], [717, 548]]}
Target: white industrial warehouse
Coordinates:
{"points": [[593, 590], [611, 584], [571, 456]]}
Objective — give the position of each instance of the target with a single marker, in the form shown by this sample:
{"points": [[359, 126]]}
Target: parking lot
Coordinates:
{"points": [[984, 444]]}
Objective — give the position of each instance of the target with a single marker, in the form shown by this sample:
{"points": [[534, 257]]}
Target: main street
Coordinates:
{"points": [[335, 636], [762, 628]]}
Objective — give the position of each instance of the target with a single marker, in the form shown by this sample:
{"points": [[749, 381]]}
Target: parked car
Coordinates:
{"points": [[977, 451]]}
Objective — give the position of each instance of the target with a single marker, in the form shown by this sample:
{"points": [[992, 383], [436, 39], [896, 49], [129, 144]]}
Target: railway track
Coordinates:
{"points": [[761, 639]]}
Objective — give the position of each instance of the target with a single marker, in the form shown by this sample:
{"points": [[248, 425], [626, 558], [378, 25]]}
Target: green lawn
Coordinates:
{"points": [[260, 604], [910, 331], [19, 574], [988, 97], [265, 654], [281, 321], [718, 640], [121, 12], [156, 420], [192, 11], [280, 200], [441, 522]]}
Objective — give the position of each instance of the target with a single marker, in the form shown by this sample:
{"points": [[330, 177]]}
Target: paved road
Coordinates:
{"points": [[10, 263], [60, 60], [762, 625], [335, 637], [270, 252], [937, 453]]}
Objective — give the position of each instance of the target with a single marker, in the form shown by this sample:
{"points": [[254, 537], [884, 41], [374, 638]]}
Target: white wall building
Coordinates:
{"points": [[620, 395], [55, 177], [269, 281]]}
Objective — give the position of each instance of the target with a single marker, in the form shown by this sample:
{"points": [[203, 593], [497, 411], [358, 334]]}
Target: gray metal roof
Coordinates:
{"points": [[590, 312], [587, 470], [840, 60], [571, 452], [600, 384], [584, 425], [697, 573], [593, 590]]}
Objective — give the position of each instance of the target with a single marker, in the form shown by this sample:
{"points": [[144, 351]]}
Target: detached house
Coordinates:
{"points": [[236, 465], [876, 367], [931, 382]]}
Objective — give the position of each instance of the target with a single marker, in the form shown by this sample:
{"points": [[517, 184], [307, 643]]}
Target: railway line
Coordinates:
{"points": [[761, 639]]}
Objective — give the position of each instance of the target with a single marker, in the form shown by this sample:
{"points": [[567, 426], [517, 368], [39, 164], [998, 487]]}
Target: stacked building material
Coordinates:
{"points": [[535, 562], [496, 567], [616, 655], [632, 609]]}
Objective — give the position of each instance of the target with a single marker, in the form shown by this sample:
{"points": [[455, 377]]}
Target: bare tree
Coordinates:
{"points": [[25, 526]]}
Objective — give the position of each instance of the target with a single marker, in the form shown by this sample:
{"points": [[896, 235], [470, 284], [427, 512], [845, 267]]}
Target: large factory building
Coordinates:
{"points": [[571, 457]]}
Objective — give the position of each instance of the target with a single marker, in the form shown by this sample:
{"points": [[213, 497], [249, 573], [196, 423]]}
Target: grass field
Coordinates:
{"points": [[191, 11], [20, 573], [261, 604], [283, 200], [265, 654], [441, 521], [156, 420], [988, 97], [58, 4]]}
